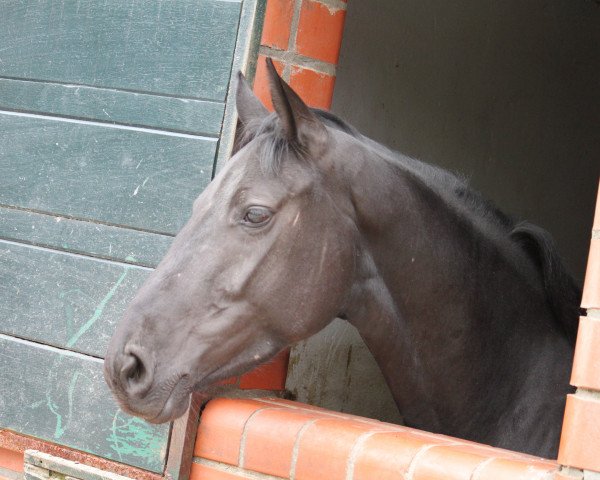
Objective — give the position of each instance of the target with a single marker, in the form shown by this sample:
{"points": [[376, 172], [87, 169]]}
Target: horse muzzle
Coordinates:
{"points": [[132, 377]]}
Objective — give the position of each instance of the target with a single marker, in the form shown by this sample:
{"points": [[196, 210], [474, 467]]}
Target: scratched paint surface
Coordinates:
{"points": [[61, 397], [130, 436], [182, 48], [102, 173], [61, 299], [93, 239], [108, 105], [110, 121]]}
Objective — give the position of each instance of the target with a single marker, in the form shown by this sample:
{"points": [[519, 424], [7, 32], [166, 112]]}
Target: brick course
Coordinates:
{"points": [[279, 439]]}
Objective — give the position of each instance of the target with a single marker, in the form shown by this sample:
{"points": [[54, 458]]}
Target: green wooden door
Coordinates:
{"points": [[111, 123]]}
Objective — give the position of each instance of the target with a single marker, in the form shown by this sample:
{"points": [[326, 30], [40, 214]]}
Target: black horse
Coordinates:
{"points": [[471, 317]]}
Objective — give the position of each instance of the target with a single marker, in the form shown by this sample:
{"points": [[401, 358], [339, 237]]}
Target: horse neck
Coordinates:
{"points": [[449, 307]]}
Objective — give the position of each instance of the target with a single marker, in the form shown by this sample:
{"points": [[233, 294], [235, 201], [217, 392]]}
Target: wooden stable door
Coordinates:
{"points": [[111, 116]]}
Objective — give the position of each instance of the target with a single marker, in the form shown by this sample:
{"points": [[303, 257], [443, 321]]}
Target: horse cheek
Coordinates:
{"points": [[330, 282]]}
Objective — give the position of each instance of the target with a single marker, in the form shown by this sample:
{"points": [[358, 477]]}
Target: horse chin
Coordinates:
{"points": [[216, 381], [175, 406]]}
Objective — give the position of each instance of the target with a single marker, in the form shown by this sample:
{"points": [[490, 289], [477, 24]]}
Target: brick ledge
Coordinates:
{"points": [[271, 438]]}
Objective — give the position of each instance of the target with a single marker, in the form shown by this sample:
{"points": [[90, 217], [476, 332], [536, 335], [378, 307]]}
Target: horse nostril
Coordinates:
{"points": [[136, 373], [133, 369]]}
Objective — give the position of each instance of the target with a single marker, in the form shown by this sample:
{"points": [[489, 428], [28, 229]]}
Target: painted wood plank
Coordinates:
{"points": [[61, 397], [121, 176], [62, 299], [113, 106], [93, 239], [182, 48]]}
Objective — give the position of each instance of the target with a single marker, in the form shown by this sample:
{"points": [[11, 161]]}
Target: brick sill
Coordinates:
{"points": [[279, 439]]}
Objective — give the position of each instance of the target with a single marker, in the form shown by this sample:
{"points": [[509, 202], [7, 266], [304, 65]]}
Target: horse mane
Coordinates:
{"points": [[562, 292]]}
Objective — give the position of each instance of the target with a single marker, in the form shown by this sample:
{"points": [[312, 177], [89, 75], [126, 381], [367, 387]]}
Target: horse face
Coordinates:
{"points": [[265, 260]]}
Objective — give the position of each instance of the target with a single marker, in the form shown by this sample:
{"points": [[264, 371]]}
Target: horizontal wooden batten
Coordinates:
{"points": [[87, 238], [182, 48], [113, 106], [121, 176], [61, 299], [61, 396]]}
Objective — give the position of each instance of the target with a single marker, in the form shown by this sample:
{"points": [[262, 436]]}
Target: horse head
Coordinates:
{"points": [[266, 259]]}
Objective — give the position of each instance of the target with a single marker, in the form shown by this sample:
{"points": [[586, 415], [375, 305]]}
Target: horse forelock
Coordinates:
{"points": [[272, 145]]}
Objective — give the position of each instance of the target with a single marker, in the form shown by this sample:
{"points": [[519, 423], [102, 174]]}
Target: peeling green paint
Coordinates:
{"points": [[71, 390], [59, 430], [132, 436], [58, 393], [36, 404], [69, 311], [98, 311]]}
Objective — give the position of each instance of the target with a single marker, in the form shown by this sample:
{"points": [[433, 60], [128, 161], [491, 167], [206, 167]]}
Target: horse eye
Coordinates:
{"points": [[257, 216]]}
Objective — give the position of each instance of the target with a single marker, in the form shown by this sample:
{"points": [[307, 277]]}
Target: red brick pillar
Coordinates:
{"points": [[303, 38], [580, 442]]}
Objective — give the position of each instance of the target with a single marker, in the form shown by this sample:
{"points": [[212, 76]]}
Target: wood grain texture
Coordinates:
{"points": [[182, 48], [61, 397], [62, 299], [120, 176], [88, 238], [112, 106]]}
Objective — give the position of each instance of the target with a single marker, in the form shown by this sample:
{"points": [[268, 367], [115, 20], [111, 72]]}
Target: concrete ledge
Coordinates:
{"points": [[42, 466]]}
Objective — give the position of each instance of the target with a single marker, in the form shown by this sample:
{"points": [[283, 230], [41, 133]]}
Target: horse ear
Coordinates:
{"points": [[249, 107], [300, 124]]}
